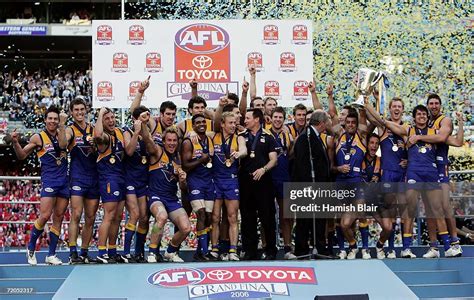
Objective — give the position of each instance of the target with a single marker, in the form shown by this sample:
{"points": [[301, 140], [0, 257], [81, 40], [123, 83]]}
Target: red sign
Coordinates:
{"points": [[153, 62], [120, 62], [202, 52], [133, 89], [300, 89], [300, 35], [104, 91], [270, 35], [255, 59], [287, 62], [272, 89], [136, 35], [104, 35]]}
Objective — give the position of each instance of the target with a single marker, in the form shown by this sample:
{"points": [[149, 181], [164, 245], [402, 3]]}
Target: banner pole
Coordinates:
{"points": [[123, 18]]}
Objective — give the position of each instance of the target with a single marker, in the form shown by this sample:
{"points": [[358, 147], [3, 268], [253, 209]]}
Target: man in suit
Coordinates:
{"points": [[302, 173]]}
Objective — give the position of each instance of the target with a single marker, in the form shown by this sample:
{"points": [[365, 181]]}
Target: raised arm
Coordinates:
{"points": [[253, 83], [141, 90], [332, 107], [194, 88], [314, 96], [151, 147], [22, 153], [218, 114], [243, 98], [131, 140], [62, 138], [458, 139], [100, 137], [394, 127], [242, 148]]}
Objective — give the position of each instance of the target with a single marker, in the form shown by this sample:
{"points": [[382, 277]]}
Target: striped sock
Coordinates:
{"points": [[232, 249], [445, 238], [454, 241], [140, 240], [434, 244], [153, 248], [53, 240], [112, 251], [202, 241], [171, 248], [35, 234], [129, 233], [72, 248], [102, 250], [406, 240], [364, 232]]}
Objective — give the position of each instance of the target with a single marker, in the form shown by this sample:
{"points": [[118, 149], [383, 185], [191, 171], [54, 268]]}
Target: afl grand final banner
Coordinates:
{"points": [[215, 53]]}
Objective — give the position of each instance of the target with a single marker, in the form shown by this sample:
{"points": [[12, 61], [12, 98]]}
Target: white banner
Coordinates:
{"points": [[216, 53]]}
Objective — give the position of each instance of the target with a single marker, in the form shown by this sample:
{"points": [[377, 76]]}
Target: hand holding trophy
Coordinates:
{"points": [[365, 82]]}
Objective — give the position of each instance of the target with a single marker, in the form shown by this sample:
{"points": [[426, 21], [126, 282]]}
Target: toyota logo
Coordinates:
{"points": [[219, 275], [202, 62]]}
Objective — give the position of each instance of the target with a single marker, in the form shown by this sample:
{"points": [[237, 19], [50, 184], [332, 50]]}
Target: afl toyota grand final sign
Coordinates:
{"points": [[215, 53]]}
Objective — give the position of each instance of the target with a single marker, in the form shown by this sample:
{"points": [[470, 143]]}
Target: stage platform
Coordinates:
{"points": [[444, 278]]}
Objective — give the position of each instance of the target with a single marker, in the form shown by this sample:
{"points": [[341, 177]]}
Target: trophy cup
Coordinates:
{"points": [[365, 81]]}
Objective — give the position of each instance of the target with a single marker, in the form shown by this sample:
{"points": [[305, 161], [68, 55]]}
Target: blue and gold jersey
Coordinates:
{"points": [[222, 152], [442, 149], [282, 170], [393, 150], [371, 171], [188, 126], [82, 153], [163, 176], [52, 158], [350, 150], [422, 156], [110, 162], [201, 173], [136, 166], [293, 131]]}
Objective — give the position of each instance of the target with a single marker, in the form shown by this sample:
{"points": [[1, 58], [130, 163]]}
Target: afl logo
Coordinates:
{"points": [[300, 90], [120, 62], [300, 35], [153, 62], [255, 59], [272, 88], [270, 35], [176, 277], [136, 35], [202, 38], [104, 91], [287, 62], [104, 35]]}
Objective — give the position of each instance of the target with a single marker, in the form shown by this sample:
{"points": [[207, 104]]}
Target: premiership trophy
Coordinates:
{"points": [[365, 81]]}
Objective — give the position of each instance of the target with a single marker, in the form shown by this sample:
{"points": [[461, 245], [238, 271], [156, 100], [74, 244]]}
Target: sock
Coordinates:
{"points": [[391, 238], [84, 252], [379, 245], [35, 234], [129, 233], [53, 240], [353, 245], [215, 248], [445, 238], [140, 240], [232, 249], [340, 238], [434, 244], [454, 241], [153, 248], [406, 240], [202, 242], [171, 248], [112, 251], [102, 250], [287, 249], [72, 248], [364, 232]]}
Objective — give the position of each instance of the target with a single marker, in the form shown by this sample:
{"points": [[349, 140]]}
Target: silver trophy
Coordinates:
{"points": [[365, 82]]}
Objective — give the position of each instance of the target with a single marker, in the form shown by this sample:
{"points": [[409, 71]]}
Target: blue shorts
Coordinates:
{"points": [[112, 190], [55, 189], [227, 190], [443, 173], [170, 203], [86, 188], [422, 180], [139, 191], [393, 181], [201, 192]]}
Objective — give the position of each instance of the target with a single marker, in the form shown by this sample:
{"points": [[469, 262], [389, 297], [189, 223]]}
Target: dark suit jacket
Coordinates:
{"points": [[301, 169]]}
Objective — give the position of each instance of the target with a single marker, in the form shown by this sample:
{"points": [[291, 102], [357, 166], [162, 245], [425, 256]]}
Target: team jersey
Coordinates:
{"points": [[422, 156], [163, 176], [82, 153], [157, 132], [188, 126], [201, 174], [282, 170], [293, 131], [53, 159], [110, 162], [350, 150], [442, 149], [393, 150], [268, 125], [136, 166], [371, 169], [222, 152]]}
